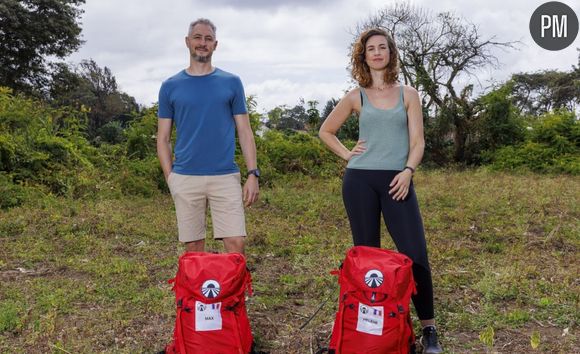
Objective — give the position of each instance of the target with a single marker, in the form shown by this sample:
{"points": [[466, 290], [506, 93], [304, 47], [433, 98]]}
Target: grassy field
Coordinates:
{"points": [[90, 276]]}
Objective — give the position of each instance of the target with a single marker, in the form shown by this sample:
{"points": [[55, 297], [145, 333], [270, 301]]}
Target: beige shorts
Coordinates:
{"points": [[191, 193]]}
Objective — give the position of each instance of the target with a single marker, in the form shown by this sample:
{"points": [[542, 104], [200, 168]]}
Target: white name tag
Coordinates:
{"points": [[208, 316], [370, 319]]}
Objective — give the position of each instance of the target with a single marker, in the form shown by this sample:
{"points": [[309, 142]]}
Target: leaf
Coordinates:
{"points": [[535, 340]]}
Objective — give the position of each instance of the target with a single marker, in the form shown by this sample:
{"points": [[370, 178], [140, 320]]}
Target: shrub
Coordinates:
{"points": [[7, 153], [497, 125], [41, 147], [11, 195], [141, 135], [141, 177], [552, 146], [560, 130], [298, 152], [112, 132]]}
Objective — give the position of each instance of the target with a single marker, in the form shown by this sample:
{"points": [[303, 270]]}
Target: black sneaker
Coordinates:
{"points": [[429, 341]]}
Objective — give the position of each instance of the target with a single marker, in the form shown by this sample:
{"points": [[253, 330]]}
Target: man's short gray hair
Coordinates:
{"points": [[202, 21]]}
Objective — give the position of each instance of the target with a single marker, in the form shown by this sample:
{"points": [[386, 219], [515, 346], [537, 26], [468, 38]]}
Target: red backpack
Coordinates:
{"points": [[210, 292], [373, 312]]}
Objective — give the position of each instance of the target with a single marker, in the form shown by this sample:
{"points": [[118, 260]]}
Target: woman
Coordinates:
{"points": [[378, 178]]}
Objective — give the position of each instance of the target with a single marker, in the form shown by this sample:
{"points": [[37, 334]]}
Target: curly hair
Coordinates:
{"points": [[360, 70]]}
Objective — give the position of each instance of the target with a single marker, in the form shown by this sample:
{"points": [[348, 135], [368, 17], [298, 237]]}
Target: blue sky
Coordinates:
{"points": [[283, 50]]}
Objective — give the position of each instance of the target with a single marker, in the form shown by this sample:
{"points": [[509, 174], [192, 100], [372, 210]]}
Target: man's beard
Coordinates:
{"points": [[201, 58]]}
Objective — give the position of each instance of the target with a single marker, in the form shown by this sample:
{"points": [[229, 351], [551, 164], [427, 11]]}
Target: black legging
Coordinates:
{"points": [[365, 196]]}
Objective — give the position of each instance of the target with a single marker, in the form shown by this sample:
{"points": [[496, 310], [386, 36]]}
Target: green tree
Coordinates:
{"points": [[541, 92], [284, 118], [349, 130], [31, 31], [328, 107], [255, 117], [313, 115], [498, 123], [274, 116], [294, 118], [94, 88]]}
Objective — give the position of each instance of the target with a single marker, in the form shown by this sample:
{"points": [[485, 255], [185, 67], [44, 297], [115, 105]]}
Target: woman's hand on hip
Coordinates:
{"points": [[400, 185], [358, 149]]}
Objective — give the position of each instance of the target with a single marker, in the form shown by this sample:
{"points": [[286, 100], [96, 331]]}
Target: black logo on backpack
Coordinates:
{"points": [[374, 278], [210, 289]]}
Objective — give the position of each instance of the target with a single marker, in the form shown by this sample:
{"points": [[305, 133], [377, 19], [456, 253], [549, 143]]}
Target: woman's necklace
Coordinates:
{"points": [[381, 88]]}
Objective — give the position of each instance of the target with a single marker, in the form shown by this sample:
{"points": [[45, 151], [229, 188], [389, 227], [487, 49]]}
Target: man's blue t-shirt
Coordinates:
{"points": [[202, 108]]}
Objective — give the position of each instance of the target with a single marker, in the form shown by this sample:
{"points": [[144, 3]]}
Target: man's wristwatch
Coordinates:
{"points": [[255, 172]]}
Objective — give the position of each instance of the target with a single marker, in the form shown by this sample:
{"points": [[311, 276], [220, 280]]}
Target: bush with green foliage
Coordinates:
{"points": [[11, 194], [438, 144], [142, 177], [498, 125], [44, 150], [42, 146], [552, 145], [112, 132], [281, 153], [141, 135]]}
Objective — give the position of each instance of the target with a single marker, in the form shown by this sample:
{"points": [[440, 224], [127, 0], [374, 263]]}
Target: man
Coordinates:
{"points": [[207, 106]]}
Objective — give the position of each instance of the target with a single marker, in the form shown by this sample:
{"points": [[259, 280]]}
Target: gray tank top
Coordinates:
{"points": [[386, 134]]}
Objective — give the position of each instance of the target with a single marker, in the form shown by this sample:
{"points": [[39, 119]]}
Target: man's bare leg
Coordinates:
{"points": [[234, 244], [195, 246]]}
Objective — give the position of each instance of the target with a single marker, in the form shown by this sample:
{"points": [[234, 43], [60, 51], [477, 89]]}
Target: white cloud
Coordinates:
{"points": [[281, 50], [285, 92]]}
